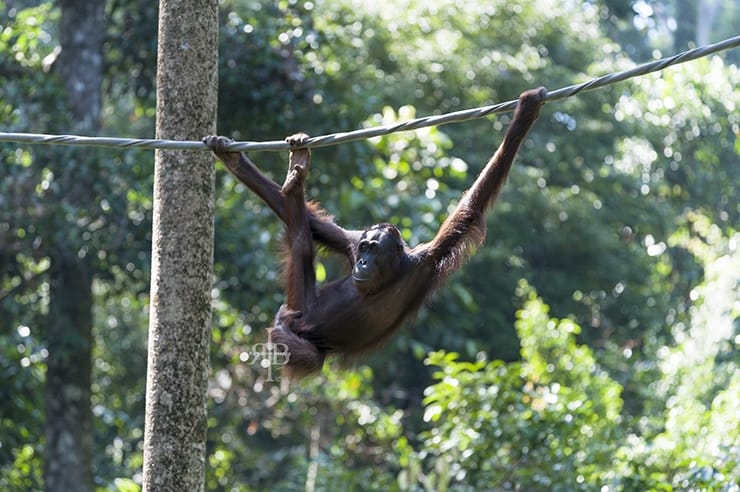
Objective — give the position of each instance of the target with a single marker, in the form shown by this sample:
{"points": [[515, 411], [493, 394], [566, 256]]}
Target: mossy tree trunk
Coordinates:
{"points": [[182, 249]]}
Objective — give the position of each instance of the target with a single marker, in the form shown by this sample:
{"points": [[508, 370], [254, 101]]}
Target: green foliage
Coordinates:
{"points": [[330, 423], [554, 420], [26, 44], [28, 36], [119, 378], [694, 134], [621, 211], [21, 417], [545, 423], [131, 55], [693, 444], [57, 202], [416, 168]]}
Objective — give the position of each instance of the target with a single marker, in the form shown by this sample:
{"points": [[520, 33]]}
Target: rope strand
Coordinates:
{"points": [[365, 133]]}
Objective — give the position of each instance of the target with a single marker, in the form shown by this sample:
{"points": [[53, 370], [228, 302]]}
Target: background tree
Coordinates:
{"points": [[66, 227], [56, 236]]}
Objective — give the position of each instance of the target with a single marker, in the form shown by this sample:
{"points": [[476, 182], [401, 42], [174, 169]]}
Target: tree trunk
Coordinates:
{"points": [[80, 63], [706, 16], [68, 451], [685, 33], [182, 249], [69, 442]]}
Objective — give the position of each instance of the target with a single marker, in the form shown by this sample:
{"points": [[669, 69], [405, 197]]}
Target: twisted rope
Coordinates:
{"points": [[365, 133]]}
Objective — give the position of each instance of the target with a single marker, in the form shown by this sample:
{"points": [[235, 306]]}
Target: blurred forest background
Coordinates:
{"points": [[591, 344]]}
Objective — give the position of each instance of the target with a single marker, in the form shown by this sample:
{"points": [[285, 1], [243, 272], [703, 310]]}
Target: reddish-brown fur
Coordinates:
{"points": [[389, 281]]}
